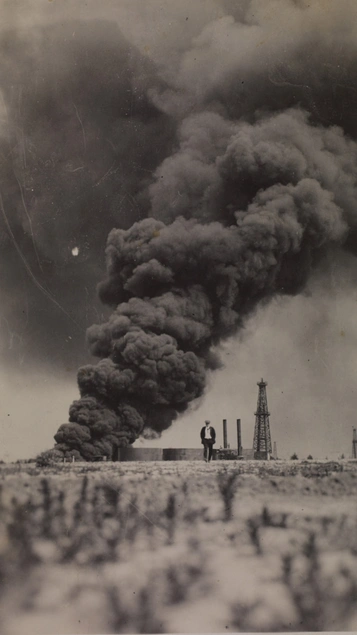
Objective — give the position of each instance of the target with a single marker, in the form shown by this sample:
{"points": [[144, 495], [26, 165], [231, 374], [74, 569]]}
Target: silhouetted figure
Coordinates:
{"points": [[208, 438]]}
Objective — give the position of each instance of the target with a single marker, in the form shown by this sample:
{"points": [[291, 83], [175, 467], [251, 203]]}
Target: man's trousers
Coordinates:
{"points": [[207, 449]]}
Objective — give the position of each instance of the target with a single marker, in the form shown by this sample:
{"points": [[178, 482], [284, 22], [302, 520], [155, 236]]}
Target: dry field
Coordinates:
{"points": [[178, 547]]}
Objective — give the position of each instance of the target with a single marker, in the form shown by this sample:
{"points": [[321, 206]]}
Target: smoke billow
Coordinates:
{"points": [[226, 162], [240, 212]]}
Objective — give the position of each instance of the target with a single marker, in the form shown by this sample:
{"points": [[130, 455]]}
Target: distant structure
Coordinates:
{"points": [[239, 439], [225, 434], [275, 450], [354, 444], [261, 449], [262, 440]]}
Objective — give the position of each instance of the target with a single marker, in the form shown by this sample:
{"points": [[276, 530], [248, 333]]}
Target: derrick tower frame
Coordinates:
{"points": [[262, 439]]}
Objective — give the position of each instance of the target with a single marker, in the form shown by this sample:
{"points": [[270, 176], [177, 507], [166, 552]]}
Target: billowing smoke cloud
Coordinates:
{"points": [[226, 162], [241, 213]]}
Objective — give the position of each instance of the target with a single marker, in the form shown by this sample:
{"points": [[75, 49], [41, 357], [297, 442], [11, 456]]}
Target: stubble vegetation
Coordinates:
{"points": [[178, 547]]}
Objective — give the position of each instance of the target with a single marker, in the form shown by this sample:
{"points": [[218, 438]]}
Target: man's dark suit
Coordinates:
{"points": [[208, 443]]}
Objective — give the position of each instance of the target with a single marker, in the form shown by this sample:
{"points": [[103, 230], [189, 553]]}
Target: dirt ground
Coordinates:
{"points": [[178, 547]]}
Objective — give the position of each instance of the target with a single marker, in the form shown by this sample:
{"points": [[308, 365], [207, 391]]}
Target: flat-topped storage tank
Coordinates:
{"points": [[182, 454], [140, 454]]}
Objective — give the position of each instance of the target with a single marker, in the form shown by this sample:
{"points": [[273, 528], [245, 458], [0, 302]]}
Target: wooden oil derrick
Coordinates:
{"points": [[262, 438]]}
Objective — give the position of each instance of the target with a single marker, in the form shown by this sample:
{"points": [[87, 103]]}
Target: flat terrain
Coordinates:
{"points": [[178, 547]]}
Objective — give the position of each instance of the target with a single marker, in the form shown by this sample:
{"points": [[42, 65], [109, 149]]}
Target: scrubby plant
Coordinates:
{"points": [[315, 606], [118, 613], [227, 485], [253, 526], [109, 525], [20, 537], [171, 515], [273, 520], [46, 506]]}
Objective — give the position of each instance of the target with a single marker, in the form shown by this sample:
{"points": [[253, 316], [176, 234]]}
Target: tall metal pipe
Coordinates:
{"points": [[354, 444], [225, 437], [239, 437]]}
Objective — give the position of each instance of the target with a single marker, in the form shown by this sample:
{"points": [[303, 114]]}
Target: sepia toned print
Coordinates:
{"points": [[178, 244]]}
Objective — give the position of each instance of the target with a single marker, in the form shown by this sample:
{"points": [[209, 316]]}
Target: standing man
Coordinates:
{"points": [[208, 439]]}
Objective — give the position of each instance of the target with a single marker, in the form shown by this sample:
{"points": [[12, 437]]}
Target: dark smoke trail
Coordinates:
{"points": [[182, 287]]}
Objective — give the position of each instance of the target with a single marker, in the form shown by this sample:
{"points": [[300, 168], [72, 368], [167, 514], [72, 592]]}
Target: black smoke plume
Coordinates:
{"points": [[228, 170], [242, 211]]}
